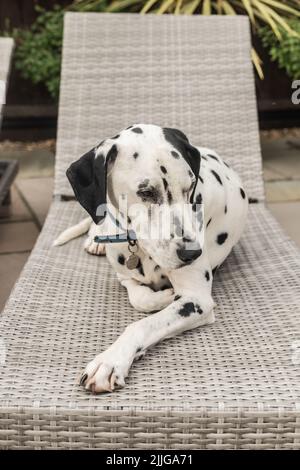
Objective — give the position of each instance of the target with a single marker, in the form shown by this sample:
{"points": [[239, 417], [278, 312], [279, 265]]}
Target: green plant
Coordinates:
{"points": [[287, 51], [38, 52]]}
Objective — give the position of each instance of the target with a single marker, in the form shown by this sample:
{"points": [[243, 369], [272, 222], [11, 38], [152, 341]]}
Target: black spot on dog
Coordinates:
{"points": [[170, 197], [163, 169], [138, 350], [213, 157], [187, 309], [165, 182], [112, 154], [137, 130], [225, 210], [242, 193], [149, 193], [175, 154], [252, 200], [204, 158], [221, 238], [128, 219], [121, 259], [116, 136], [226, 164], [140, 268], [201, 179], [208, 223], [128, 128], [144, 184], [217, 176], [207, 276], [157, 268], [198, 309], [135, 155], [177, 297], [198, 198]]}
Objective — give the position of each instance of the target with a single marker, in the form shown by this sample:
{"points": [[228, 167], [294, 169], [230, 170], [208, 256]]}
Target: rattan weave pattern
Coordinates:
{"points": [[232, 384], [193, 73]]}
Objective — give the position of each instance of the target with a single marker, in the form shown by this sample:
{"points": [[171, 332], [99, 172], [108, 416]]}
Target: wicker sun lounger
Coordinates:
{"points": [[234, 384]]}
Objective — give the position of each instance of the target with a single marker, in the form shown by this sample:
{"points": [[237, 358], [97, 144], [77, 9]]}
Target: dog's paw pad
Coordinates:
{"points": [[94, 248]]}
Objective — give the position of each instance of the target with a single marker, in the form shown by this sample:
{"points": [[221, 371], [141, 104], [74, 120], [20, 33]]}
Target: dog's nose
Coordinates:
{"points": [[188, 256]]}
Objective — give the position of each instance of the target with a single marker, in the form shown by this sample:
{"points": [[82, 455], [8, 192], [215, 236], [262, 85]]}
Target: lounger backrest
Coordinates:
{"points": [[189, 72], [6, 48]]}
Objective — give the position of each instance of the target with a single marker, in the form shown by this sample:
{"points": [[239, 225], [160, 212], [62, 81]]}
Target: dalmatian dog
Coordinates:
{"points": [[154, 167]]}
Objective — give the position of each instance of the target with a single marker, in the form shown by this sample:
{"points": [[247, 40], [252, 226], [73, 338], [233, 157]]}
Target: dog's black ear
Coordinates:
{"points": [[190, 153], [88, 177]]}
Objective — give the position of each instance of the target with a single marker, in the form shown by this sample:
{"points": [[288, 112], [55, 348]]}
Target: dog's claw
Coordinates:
{"points": [[83, 379]]}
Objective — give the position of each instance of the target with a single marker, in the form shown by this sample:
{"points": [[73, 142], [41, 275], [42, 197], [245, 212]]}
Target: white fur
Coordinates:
{"points": [[186, 300], [73, 232]]}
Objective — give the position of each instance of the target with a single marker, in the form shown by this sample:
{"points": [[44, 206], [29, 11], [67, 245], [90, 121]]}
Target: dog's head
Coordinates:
{"points": [[155, 170]]}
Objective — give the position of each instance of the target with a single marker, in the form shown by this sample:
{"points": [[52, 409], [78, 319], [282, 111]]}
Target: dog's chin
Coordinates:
{"points": [[167, 264], [182, 264]]}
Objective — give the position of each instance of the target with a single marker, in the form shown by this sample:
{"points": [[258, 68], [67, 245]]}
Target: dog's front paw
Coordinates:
{"points": [[94, 248], [105, 373]]}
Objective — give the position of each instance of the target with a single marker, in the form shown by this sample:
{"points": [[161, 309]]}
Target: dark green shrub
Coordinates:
{"points": [[286, 51], [38, 52]]}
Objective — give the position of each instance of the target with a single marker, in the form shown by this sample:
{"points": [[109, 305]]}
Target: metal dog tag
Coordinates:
{"points": [[132, 261]]}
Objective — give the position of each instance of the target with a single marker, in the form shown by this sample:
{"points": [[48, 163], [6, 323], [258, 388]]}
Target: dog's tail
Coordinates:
{"points": [[73, 232]]}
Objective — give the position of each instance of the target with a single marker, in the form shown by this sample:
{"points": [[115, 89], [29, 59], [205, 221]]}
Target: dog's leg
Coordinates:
{"points": [[90, 245], [192, 307], [144, 299], [73, 232]]}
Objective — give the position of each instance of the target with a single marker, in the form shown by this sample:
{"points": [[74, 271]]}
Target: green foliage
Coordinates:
{"points": [[38, 52], [287, 51]]}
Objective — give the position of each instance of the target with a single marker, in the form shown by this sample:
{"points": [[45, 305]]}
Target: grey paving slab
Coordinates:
{"points": [[283, 156], [280, 191], [17, 211], [32, 163], [288, 215], [17, 237], [38, 194]]}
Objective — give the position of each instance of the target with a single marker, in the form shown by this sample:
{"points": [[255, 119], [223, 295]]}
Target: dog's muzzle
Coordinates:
{"points": [[188, 256]]}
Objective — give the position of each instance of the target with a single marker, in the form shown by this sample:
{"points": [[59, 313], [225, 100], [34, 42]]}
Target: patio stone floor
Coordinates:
{"points": [[32, 193]]}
